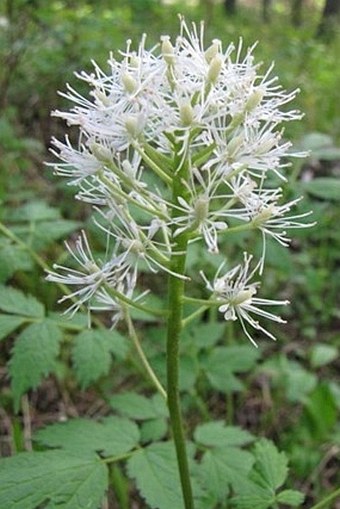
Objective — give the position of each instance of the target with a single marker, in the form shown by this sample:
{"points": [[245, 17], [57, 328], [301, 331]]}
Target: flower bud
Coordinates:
{"points": [[168, 50], [234, 145], [254, 100], [242, 296], [100, 152], [212, 51], [129, 83], [134, 61], [186, 114], [214, 69], [133, 126], [201, 209]]}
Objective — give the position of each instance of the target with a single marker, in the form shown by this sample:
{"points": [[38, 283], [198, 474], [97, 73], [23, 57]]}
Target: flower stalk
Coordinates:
{"points": [[174, 327]]}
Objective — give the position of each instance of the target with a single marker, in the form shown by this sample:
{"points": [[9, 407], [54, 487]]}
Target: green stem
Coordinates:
{"points": [[141, 354], [176, 292], [332, 496]]}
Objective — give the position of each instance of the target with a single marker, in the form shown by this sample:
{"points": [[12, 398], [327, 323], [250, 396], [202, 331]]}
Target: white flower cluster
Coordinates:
{"points": [[205, 122]]}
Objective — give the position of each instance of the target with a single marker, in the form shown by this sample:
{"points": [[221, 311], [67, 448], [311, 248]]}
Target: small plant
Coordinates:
{"points": [[178, 146]]}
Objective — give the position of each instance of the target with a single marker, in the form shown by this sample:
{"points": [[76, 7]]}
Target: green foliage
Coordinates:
{"points": [[92, 354], [112, 436], [217, 434], [288, 390], [268, 475], [139, 407], [223, 363], [62, 479], [16, 302], [34, 356], [328, 188], [154, 469]]}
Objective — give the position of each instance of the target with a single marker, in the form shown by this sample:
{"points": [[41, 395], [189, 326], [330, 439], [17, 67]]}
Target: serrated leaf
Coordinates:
{"points": [[12, 259], [112, 436], [29, 480], [219, 435], [224, 467], [253, 501], [139, 407], [92, 354], [8, 323], [271, 465], [223, 363], [324, 187], [34, 356], [291, 497], [155, 471], [16, 302]]}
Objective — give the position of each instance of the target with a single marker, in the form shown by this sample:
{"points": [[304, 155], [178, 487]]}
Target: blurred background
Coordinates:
{"points": [[293, 394]]}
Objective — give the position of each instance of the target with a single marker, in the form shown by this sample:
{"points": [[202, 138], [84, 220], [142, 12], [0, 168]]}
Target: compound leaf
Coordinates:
{"points": [[8, 323], [139, 407], [30, 480], [225, 467], [111, 436], [218, 434], [155, 470], [34, 356], [92, 354], [16, 302], [271, 465]]}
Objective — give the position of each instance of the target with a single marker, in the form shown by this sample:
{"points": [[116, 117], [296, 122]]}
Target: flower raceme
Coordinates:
{"points": [[176, 142]]}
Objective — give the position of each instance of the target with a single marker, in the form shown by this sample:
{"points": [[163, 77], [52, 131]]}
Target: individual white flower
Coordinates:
{"points": [[238, 297], [91, 276]]}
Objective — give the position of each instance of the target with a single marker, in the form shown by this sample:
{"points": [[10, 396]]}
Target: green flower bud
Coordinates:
{"points": [[129, 83], [168, 50], [186, 114], [214, 69]]}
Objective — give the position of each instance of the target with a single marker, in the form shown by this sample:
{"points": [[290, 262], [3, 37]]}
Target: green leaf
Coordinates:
{"points": [[16, 302], [153, 430], [261, 500], [139, 407], [320, 412], [322, 355], [223, 362], [291, 497], [8, 323], [13, 259], [154, 469], [324, 187], [46, 232], [271, 465], [112, 436], [30, 480], [34, 356], [92, 354], [224, 467], [298, 382], [34, 211], [206, 335], [150, 301], [219, 435]]}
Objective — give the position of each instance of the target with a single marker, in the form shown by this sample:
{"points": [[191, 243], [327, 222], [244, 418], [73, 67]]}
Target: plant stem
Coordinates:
{"points": [[332, 496], [151, 374], [176, 292]]}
